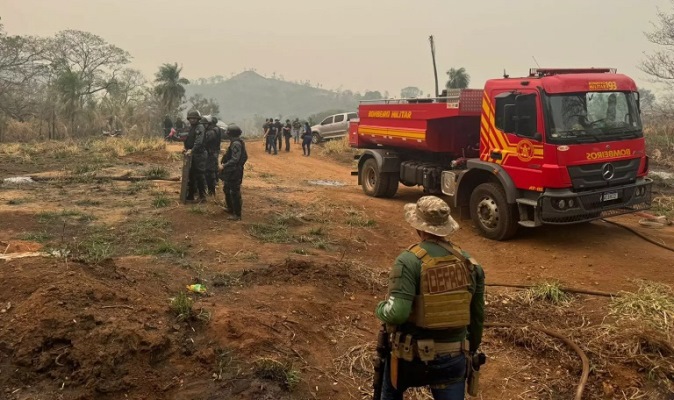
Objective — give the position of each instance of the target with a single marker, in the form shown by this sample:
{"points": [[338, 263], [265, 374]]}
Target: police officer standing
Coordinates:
{"points": [[279, 133], [231, 171], [270, 137], [429, 343], [194, 144], [213, 137], [287, 134], [265, 128]]}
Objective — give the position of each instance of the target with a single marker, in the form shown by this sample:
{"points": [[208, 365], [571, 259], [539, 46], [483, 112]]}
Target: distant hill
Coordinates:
{"points": [[249, 95]]}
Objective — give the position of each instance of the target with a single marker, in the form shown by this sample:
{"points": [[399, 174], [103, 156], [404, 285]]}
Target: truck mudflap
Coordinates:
{"points": [[562, 207]]}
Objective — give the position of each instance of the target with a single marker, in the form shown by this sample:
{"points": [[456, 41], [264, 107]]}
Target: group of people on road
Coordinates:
{"points": [[203, 144], [275, 132]]}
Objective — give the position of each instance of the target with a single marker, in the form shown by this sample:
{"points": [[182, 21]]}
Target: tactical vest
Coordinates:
{"points": [[244, 153], [213, 140], [444, 295]]}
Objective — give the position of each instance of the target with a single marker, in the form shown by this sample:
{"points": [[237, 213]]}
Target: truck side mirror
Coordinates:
{"points": [[525, 120]]}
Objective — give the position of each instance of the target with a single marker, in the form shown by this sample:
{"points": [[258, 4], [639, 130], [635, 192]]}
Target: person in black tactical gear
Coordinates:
{"points": [[279, 133], [306, 140], [231, 172], [270, 137], [168, 125], [194, 144], [287, 134], [265, 128], [212, 139], [297, 126]]}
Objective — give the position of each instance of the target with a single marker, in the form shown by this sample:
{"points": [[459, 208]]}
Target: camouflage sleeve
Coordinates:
{"points": [[402, 289], [235, 158], [476, 308]]}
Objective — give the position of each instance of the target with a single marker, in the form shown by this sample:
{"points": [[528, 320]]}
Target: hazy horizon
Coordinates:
{"points": [[356, 45]]}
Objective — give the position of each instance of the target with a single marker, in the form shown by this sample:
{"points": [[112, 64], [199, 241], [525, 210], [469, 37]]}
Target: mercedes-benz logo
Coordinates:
{"points": [[607, 171]]}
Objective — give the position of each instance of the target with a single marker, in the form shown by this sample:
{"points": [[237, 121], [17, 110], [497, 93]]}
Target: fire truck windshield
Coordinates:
{"points": [[592, 117]]}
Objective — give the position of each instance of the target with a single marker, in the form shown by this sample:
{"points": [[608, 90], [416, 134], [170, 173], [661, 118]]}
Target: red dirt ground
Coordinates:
{"points": [[72, 330]]}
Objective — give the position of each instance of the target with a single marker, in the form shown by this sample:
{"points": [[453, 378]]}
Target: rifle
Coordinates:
{"points": [[383, 353], [473, 378]]}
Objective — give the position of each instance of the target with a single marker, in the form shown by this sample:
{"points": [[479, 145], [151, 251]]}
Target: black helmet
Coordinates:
{"points": [[214, 120], [194, 114], [206, 119], [233, 130]]}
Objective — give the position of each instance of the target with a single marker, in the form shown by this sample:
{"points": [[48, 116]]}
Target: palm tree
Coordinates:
{"points": [[170, 87], [458, 78]]}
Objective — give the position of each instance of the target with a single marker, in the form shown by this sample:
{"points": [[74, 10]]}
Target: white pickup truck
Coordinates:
{"points": [[334, 126]]}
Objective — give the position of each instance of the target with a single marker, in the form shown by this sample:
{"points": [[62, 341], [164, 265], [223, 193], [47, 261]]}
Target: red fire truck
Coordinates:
{"points": [[559, 146]]}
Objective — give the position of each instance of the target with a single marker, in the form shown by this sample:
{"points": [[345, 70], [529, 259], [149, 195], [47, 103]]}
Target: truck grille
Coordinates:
{"points": [[589, 176]]}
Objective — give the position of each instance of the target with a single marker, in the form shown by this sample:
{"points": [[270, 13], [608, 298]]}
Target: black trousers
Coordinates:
{"points": [[232, 188], [197, 182], [280, 142], [287, 143]]}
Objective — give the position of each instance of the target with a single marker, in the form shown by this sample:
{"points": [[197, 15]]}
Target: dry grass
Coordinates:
{"points": [[339, 150], [660, 142], [103, 148], [638, 331], [651, 305], [281, 372], [546, 291], [337, 146]]}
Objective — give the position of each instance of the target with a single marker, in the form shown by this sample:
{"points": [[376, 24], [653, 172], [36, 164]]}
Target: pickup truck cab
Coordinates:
{"points": [[331, 127]]}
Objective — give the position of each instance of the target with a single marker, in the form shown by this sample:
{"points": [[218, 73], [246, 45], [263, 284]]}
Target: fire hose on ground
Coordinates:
{"points": [[581, 354], [583, 357]]}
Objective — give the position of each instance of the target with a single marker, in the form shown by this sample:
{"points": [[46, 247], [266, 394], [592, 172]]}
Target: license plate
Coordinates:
{"points": [[609, 196]]}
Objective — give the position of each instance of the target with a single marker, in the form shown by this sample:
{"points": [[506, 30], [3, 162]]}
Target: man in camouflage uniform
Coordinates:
{"points": [[231, 172], [429, 345], [194, 144], [212, 139], [297, 126]]}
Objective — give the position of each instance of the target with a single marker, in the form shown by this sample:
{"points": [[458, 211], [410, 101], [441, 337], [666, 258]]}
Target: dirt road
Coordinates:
{"points": [[291, 288], [595, 255]]}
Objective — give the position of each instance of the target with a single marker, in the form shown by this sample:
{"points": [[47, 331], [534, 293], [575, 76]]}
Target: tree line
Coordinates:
{"points": [[75, 83]]}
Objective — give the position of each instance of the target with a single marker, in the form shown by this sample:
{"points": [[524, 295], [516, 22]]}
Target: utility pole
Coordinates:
{"points": [[435, 68]]}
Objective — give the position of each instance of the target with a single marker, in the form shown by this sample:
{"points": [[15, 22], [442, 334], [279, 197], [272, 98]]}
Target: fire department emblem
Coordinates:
{"points": [[525, 150]]}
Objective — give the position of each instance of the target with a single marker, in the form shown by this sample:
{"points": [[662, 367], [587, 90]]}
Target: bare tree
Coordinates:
{"points": [[660, 64], [204, 105], [410, 92], [82, 64]]}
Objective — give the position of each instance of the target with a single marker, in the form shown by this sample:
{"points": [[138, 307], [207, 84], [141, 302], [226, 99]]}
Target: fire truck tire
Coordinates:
{"points": [[491, 213], [392, 184], [376, 183]]}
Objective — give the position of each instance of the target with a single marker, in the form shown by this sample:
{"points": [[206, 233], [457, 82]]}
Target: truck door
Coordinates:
{"points": [[513, 136], [340, 125], [326, 126]]}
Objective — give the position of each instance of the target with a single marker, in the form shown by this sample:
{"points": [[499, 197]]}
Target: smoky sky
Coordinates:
{"points": [[356, 44]]}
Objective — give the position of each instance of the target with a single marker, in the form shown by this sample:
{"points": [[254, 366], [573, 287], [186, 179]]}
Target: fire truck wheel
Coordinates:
{"points": [[492, 214], [375, 183]]}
